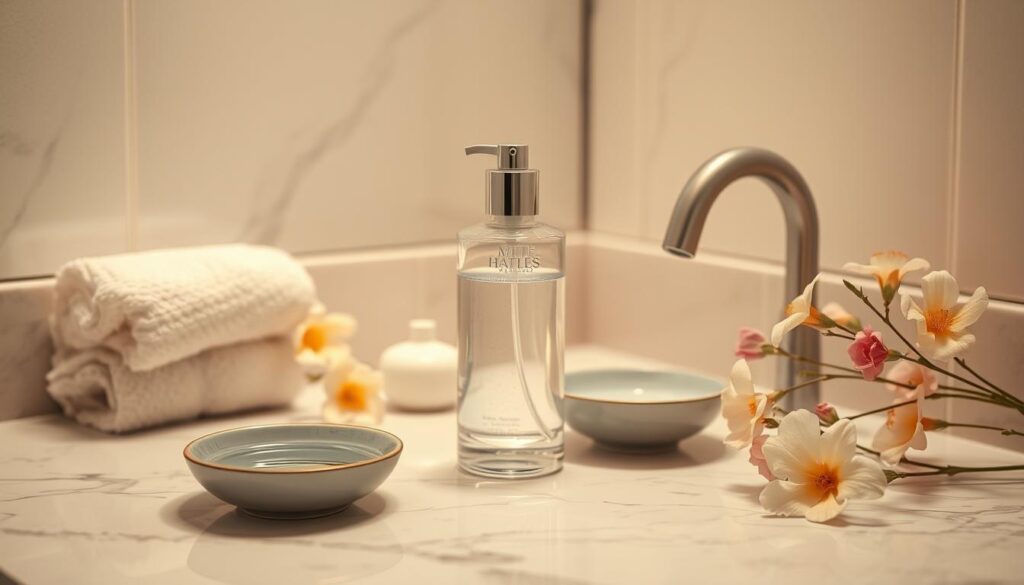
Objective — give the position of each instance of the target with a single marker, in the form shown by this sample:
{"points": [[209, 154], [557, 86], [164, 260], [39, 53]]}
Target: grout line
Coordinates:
{"points": [[953, 197], [131, 121]]}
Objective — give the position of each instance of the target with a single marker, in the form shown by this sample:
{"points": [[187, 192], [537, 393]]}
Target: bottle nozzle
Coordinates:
{"points": [[512, 187]]}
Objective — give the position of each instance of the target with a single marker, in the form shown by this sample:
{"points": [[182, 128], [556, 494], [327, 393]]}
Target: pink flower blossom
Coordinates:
{"points": [[749, 344], [826, 412], [757, 457], [868, 353]]}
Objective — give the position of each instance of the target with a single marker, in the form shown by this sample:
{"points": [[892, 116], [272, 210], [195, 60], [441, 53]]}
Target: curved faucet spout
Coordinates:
{"points": [[691, 211]]}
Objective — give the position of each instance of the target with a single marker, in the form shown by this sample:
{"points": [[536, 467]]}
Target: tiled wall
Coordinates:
{"points": [[313, 125], [904, 117]]}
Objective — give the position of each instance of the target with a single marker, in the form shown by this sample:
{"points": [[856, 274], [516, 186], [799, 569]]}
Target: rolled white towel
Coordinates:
{"points": [[96, 388], [154, 308]]}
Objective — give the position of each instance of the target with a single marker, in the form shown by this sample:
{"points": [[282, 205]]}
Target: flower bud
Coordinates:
{"points": [[933, 424], [826, 413], [750, 345]]}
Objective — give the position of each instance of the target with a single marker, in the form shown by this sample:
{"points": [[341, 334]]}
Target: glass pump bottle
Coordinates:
{"points": [[511, 328]]}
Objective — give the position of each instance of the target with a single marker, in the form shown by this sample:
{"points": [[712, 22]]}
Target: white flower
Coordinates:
{"points": [[353, 395], [321, 342], [902, 430], [799, 311], [941, 324], [840, 315], [916, 375], [742, 408], [817, 473], [888, 268]]}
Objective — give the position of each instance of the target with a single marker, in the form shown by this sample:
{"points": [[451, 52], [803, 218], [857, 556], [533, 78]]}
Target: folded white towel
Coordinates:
{"points": [[97, 389], [157, 307]]}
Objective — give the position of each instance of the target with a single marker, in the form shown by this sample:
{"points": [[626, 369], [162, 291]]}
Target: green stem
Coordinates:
{"points": [[1007, 395], [785, 391], [935, 396], [903, 459], [800, 358], [827, 333], [846, 329], [1007, 432], [883, 409], [880, 379], [952, 470]]}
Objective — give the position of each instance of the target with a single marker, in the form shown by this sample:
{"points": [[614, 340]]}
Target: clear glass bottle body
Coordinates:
{"points": [[511, 346]]}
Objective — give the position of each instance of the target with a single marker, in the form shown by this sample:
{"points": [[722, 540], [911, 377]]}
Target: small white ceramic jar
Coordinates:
{"points": [[420, 374]]}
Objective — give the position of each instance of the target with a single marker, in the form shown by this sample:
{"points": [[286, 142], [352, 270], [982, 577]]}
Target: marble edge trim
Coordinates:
{"points": [[278, 471]]}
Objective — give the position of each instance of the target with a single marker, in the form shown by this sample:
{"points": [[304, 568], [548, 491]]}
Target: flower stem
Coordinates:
{"points": [[800, 358], [935, 396], [1004, 393], [785, 391], [883, 409], [834, 334], [904, 459], [952, 470], [847, 329], [987, 396], [1007, 432]]}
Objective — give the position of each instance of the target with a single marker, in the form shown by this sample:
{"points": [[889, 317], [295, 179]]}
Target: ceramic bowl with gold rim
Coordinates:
{"points": [[640, 410], [293, 470]]}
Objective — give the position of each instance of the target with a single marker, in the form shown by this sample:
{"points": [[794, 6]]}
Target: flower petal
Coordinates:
{"points": [[825, 510], [838, 443], [943, 349], [970, 311], [910, 309], [862, 479], [786, 498], [940, 290], [795, 446], [780, 329], [860, 268], [740, 378], [913, 265], [919, 442]]}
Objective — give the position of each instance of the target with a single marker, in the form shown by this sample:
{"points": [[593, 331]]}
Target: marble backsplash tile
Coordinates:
{"points": [[62, 133], [330, 126], [342, 125]]}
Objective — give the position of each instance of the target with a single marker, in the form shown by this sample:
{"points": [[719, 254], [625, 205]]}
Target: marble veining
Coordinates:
{"points": [[79, 506], [276, 190]]}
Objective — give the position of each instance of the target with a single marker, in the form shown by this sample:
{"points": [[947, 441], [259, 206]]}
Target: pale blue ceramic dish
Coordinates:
{"points": [[293, 470], [639, 410]]}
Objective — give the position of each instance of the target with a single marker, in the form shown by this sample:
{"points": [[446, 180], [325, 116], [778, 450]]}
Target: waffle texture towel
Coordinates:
{"points": [[97, 389], [155, 308]]}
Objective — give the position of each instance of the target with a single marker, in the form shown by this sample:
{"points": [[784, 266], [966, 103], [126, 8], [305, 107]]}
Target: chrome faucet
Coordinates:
{"points": [[692, 209]]}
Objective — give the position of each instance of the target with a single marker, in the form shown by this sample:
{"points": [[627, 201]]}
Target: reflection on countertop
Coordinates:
{"points": [[77, 506]]}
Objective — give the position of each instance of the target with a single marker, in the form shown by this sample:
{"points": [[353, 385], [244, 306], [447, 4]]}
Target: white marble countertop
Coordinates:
{"points": [[77, 506]]}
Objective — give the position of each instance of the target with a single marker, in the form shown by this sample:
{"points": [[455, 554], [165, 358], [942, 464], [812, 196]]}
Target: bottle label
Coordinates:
{"points": [[521, 258]]}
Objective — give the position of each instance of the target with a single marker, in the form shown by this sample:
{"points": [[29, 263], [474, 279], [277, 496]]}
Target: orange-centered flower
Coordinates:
{"points": [[823, 481], [800, 311], [817, 473], [942, 323], [351, 396], [743, 409], [888, 268], [902, 430], [314, 338]]}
